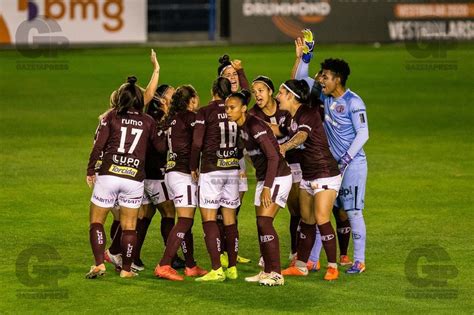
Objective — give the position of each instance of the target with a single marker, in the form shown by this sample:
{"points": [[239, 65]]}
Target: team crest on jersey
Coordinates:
{"points": [[294, 126], [340, 108], [123, 170]]}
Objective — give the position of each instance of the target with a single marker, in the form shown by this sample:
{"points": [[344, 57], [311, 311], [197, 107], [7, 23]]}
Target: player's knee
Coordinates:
{"points": [[354, 214]]}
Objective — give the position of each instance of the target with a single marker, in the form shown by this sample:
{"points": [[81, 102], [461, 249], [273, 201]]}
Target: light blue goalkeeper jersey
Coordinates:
{"points": [[345, 120]]}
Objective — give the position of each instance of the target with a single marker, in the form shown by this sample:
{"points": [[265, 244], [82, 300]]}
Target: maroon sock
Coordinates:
{"points": [[142, 228], [343, 235], [211, 237], [270, 243], [175, 237], [166, 226], [263, 253], [97, 239], [187, 245], [329, 241], [116, 248], [129, 244], [232, 241], [306, 239], [220, 225], [294, 222]]}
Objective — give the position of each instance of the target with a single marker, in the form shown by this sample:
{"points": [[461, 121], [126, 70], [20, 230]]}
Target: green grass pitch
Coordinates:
{"points": [[420, 156]]}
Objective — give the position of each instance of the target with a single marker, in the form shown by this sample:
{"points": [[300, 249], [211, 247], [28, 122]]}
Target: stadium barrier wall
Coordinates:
{"points": [[351, 21]]}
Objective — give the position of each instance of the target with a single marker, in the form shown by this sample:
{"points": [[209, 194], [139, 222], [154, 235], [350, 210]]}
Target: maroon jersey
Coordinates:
{"points": [[282, 118], [219, 150], [155, 162], [124, 139], [317, 160], [263, 149], [180, 138]]}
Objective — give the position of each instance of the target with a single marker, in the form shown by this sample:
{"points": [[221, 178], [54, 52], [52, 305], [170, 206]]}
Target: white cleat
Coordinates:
{"points": [[261, 275], [116, 260], [274, 279]]}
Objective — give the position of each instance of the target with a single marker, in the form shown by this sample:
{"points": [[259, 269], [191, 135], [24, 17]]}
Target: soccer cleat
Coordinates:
{"points": [[331, 274], [138, 265], [96, 271], [243, 260], [166, 272], [261, 275], [178, 263], [195, 271], [313, 265], [295, 271], [293, 260], [344, 260], [116, 260], [213, 276], [273, 279], [231, 273], [128, 274], [357, 267], [224, 260]]}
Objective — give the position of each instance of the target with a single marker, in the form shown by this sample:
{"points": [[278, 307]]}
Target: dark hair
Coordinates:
{"points": [[129, 96], [243, 96], [339, 67], [181, 98], [161, 90], [224, 62], [221, 87], [266, 80], [300, 88]]}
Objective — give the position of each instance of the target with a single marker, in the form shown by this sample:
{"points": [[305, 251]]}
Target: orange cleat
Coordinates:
{"points": [[331, 274], [195, 271], [166, 272], [295, 271], [313, 265], [344, 260]]}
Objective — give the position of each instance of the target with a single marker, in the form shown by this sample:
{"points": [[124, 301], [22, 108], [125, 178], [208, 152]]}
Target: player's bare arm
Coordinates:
{"points": [[153, 84], [295, 141]]}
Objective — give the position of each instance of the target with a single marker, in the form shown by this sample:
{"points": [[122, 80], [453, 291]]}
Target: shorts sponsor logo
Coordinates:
{"points": [[326, 238], [232, 162], [104, 200], [266, 238], [211, 201], [170, 165], [230, 203], [123, 170]]}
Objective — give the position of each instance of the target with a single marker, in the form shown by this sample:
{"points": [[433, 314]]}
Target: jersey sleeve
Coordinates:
{"points": [[244, 83], [308, 121], [360, 124], [198, 139], [101, 137], [262, 136]]}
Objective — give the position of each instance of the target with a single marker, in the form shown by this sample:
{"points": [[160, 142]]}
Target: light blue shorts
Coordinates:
{"points": [[352, 192]]}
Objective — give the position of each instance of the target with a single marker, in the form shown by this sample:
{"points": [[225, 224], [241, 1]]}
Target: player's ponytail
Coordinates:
{"points": [[129, 96], [221, 88], [224, 62]]}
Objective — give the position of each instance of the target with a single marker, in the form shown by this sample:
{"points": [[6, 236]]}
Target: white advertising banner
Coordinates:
{"points": [[74, 21]]}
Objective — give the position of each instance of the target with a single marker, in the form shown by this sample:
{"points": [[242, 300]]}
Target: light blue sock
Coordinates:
{"points": [[316, 250], [358, 234]]}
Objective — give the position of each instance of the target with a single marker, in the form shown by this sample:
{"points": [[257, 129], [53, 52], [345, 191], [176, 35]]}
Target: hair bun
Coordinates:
{"points": [[132, 80], [224, 59]]}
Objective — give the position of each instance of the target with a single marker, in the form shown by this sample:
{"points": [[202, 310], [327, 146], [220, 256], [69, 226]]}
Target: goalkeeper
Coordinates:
{"points": [[346, 126]]}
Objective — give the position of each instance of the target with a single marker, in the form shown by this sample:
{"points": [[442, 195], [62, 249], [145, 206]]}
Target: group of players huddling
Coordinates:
{"points": [[156, 149]]}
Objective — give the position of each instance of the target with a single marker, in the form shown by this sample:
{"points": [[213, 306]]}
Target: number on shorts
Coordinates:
{"points": [[232, 134], [123, 135]]}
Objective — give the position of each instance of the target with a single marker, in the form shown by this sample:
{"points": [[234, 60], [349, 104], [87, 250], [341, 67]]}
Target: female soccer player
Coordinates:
{"points": [[266, 108], [234, 72], [346, 125], [273, 186], [218, 178], [321, 177], [123, 136], [181, 187]]}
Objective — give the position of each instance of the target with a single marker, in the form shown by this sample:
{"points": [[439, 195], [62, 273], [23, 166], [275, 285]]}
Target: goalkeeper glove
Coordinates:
{"points": [[344, 162], [309, 45]]}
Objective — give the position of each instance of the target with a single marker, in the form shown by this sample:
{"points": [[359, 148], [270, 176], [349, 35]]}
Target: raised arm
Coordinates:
{"points": [[153, 84], [243, 81]]}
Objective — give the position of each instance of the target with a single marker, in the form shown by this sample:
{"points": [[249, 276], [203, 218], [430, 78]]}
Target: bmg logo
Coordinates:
{"points": [[428, 268], [38, 267]]}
